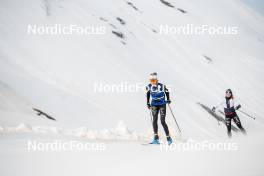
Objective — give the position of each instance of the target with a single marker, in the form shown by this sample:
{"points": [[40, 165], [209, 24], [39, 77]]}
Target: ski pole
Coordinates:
{"points": [[246, 114], [174, 118]]}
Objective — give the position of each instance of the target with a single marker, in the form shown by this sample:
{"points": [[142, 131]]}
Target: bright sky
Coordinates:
{"points": [[256, 4]]}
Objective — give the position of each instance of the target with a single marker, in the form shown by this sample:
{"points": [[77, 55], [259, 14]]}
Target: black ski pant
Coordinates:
{"points": [[228, 119], [155, 112]]}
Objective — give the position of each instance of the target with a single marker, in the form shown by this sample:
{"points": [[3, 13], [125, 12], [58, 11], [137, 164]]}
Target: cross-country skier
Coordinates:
{"points": [[230, 112], [159, 95]]}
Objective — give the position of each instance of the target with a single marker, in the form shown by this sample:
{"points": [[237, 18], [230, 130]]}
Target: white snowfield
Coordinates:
{"points": [[58, 74]]}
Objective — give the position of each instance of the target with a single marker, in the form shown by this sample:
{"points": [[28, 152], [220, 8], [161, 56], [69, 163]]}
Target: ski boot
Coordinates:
{"points": [[155, 140], [169, 140]]}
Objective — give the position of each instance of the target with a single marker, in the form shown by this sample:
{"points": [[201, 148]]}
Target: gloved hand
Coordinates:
{"points": [[169, 101], [148, 105], [238, 107], [213, 109]]}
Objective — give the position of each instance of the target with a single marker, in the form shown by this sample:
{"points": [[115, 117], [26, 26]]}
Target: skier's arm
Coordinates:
{"points": [[217, 106], [167, 94], [148, 96], [237, 107]]}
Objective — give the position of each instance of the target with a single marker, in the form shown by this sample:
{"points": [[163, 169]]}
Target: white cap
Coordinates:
{"points": [[153, 76]]}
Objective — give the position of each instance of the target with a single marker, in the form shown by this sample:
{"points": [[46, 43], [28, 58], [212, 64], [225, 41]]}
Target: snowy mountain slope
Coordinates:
{"points": [[15, 110], [57, 73], [11, 101]]}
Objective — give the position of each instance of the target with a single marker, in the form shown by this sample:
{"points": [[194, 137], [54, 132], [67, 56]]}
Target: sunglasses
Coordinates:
{"points": [[153, 80], [228, 92]]}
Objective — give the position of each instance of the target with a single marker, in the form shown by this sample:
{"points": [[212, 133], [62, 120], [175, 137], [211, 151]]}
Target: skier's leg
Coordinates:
{"points": [[228, 125], [238, 123], [162, 119], [155, 113]]}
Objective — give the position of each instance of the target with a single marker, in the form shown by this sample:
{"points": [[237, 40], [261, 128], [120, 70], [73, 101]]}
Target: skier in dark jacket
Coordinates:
{"points": [[230, 112], [159, 95]]}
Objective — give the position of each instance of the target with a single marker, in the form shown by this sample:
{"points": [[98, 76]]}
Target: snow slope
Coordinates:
{"points": [[57, 73]]}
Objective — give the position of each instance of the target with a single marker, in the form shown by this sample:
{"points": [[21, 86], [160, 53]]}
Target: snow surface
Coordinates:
{"points": [[56, 73]]}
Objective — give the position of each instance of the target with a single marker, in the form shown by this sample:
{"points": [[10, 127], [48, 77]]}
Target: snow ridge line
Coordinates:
{"points": [[120, 132]]}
